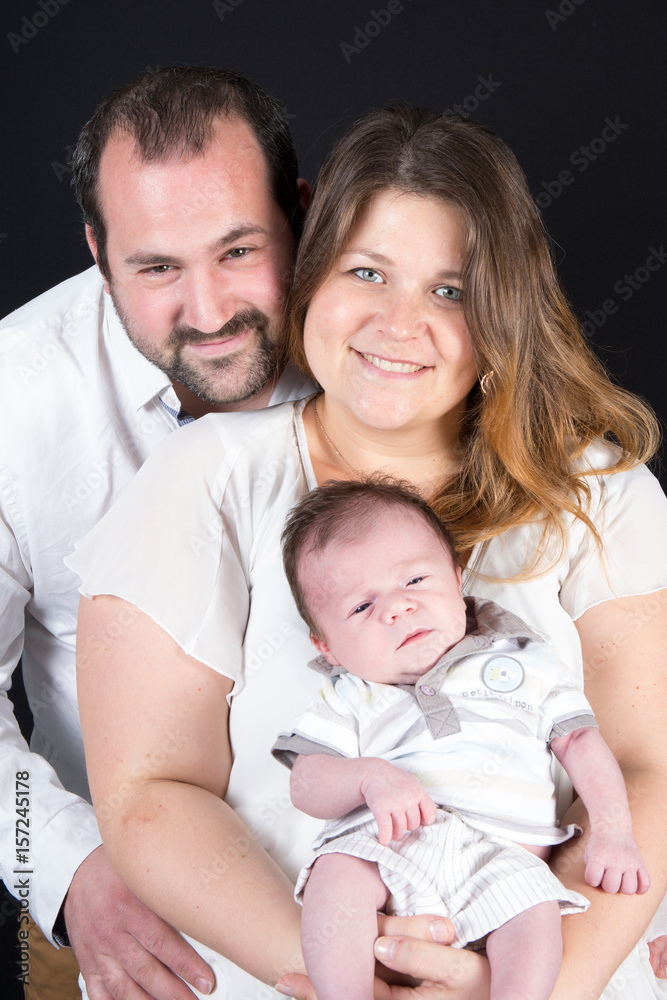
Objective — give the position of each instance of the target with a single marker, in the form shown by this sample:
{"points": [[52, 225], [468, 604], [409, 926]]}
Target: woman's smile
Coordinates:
{"points": [[386, 334]]}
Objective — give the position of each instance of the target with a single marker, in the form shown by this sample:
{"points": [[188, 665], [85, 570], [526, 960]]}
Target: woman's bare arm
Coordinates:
{"points": [[158, 757], [624, 644]]}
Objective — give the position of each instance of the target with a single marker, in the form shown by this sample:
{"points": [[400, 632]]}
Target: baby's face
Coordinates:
{"points": [[389, 603]]}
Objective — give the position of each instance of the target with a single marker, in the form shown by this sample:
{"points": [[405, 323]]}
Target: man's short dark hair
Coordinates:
{"points": [[342, 511], [171, 112]]}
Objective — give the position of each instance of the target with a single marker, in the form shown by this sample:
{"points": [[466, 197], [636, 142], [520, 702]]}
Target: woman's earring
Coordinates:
{"points": [[485, 381]]}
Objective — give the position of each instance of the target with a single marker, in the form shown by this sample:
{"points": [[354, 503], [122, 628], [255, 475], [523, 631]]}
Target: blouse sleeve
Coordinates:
{"points": [[170, 546], [630, 512]]}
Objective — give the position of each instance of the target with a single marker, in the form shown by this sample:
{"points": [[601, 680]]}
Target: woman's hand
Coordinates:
{"points": [[658, 952], [416, 947]]}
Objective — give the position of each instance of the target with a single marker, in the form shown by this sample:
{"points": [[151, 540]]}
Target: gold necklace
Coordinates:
{"points": [[357, 473]]}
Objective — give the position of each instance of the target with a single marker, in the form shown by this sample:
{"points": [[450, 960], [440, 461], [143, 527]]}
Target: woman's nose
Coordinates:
{"points": [[402, 317]]}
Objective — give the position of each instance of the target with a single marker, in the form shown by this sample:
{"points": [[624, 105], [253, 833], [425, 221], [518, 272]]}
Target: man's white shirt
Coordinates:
{"points": [[83, 409]]}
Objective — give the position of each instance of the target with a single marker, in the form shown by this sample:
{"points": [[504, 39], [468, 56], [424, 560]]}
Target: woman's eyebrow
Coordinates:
{"points": [[379, 258]]}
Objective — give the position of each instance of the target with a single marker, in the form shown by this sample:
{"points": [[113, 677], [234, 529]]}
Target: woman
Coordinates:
{"points": [[432, 319]]}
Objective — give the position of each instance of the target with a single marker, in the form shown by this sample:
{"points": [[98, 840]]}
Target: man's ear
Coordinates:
{"points": [[305, 194], [92, 244], [321, 647]]}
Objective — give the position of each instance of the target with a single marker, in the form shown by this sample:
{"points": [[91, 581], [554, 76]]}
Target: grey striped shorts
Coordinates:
{"points": [[450, 869]]}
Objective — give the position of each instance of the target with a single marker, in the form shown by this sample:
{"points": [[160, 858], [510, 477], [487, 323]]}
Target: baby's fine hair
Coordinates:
{"points": [[339, 512]]}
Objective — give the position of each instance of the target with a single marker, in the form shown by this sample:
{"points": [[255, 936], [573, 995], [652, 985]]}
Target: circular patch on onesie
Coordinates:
{"points": [[502, 673]]}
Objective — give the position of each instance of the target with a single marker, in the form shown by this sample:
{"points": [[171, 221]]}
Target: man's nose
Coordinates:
{"points": [[208, 303]]}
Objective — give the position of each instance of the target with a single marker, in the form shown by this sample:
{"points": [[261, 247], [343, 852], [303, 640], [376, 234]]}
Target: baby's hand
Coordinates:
{"points": [[399, 802], [615, 864]]}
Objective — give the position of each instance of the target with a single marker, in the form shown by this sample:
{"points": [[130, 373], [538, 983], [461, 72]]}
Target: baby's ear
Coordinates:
{"points": [[322, 648]]}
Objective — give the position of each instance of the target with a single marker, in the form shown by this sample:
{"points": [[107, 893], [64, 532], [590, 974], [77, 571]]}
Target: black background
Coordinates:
{"points": [[557, 71]]}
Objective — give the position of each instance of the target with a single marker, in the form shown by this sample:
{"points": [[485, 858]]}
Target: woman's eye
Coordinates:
{"points": [[415, 579], [362, 607], [367, 274], [449, 292]]}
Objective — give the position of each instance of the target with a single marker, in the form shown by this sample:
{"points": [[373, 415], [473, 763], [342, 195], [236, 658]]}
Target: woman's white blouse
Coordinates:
{"points": [[194, 542]]}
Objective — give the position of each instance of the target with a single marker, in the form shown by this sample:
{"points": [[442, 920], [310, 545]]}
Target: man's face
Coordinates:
{"points": [[199, 256]]}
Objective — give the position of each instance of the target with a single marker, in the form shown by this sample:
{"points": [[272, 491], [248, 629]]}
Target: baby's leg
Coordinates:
{"points": [[525, 954], [339, 925]]}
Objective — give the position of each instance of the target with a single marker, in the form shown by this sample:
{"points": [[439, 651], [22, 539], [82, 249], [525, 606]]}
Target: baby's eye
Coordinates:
{"points": [[449, 293], [367, 274], [415, 579], [362, 607]]}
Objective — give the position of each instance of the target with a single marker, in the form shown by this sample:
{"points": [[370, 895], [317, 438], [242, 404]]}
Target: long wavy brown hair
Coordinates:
{"points": [[549, 396]]}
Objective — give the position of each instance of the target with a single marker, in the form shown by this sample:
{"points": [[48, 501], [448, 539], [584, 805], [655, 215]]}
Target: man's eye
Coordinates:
{"points": [[158, 269], [449, 292], [415, 579], [238, 252], [367, 274], [362, 607]]}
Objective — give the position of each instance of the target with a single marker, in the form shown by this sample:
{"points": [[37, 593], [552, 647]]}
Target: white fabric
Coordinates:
{"points": [[253, 467], [474, 730], [81, 412], [453, 870]]}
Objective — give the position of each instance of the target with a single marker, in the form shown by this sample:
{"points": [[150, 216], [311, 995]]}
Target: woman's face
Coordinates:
{"points": [[385, 334]]}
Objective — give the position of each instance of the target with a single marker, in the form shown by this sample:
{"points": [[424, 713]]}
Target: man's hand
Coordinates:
{"points": [[121, 945], [399, 802], [415, 949], [614, 864]]}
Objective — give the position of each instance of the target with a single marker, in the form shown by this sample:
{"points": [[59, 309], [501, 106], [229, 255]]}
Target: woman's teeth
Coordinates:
{"points": [[391, 366]]}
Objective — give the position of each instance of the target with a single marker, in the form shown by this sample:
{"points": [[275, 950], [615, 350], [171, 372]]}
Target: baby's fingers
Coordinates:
{"points": [[594, 873], [428, 810], [385, 822], [643, 880], [413, 816], [635, 880]]}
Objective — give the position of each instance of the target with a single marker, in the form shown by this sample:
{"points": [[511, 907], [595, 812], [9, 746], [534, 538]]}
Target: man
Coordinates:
{"points": [[188, 183]]}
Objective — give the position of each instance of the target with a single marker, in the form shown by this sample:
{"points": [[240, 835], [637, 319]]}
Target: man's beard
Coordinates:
{"points": [[228, 378]]}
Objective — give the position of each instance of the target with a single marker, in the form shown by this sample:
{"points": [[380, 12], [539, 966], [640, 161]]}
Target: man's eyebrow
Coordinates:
{"points": [[150, 258]]}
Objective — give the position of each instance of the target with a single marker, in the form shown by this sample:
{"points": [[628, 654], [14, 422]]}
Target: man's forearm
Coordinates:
{"points": [[39, 821]]}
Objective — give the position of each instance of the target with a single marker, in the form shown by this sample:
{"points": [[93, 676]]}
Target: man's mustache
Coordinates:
{"points": [[248, 318]]}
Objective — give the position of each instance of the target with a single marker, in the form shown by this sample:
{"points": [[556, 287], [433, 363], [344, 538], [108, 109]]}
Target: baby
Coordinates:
{"points": [[427, 751]]}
